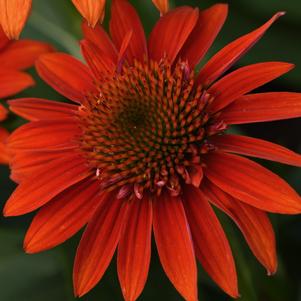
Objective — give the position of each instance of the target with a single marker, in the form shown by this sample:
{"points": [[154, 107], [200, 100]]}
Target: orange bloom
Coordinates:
{"points": [[14, 14], [144, 147], [15, 56]]}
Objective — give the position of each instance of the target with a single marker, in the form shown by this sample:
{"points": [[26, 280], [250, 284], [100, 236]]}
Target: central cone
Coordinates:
{"points": [[147, 129]]}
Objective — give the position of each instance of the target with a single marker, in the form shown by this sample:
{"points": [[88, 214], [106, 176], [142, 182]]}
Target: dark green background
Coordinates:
{"points": [[47, 276]]}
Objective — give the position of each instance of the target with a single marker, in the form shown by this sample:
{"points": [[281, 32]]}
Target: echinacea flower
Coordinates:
{"points": [[15, 56], [144, 148], [14, 14]]}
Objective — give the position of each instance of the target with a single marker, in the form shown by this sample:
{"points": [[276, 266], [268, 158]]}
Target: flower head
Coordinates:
{"points": [[14, 57], [13, 23], [145, 148]]}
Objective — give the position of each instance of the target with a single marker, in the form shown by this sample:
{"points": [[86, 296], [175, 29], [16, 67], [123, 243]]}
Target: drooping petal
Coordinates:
{"points": [[171, 32], [98, 244], [263, 107], [39, 189], [101, 39], [3, 112], [210, 242], [43, 134], [174, 244], [22, 54], [91, 10], [13, 15], [256, 148], [244, 80], [35, 109], [13, 82], [134, 249], [251, 183], [4, 157], [231, 53], [61, 218], [100, 64], [124, 19], [253, 223], [67, 75], [209, 23], [162, 6]]}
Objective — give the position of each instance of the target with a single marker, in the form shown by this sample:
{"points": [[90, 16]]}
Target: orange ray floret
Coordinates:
{"points": [[144, 148]]}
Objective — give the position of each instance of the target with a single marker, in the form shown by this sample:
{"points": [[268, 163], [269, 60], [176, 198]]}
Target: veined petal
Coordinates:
{"points": [[174, 244], [162, 6], [65, 215], [22, 54], [210, 242], [263, 107], [13, 15], [231, 53], [13, 82], [66, 75], [244, 80], [46, 133], [35, 109], [101, 39], [209, 23], [171, 32], [39, 189], [256, 148], [251, 183], [123, 20], [98, 244], [100, 64], [4, 157], [134, 249], [91, 10], [253, 223]]}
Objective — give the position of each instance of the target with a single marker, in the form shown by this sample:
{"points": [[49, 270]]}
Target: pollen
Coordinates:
{"points": [[147, 129]]}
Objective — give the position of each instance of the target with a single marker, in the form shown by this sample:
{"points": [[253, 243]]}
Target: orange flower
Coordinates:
{"points": [[145, 148], [15, 56], [13, 23]]}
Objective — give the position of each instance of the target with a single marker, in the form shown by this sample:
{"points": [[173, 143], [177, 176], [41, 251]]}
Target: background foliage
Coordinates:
{"points": [[48, 276]]}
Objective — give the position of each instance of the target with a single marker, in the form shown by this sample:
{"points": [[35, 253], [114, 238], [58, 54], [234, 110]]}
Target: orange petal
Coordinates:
{"points": [[100, 64], [61, 218], [13, 15], [162, 6], [13, 82], [253, 223], [40, 188], [244, 80], [204, 33], [210, 242], [35, 109], [134, 249], [171, 32], [22, 54], [67, 75], [3, 112], [91, 10], [230, 54], [251, 183], [256, 148], [4, 157], [98, 244], [124, 19], [174, 244], [46, 134], [101, 39], [263, 107]]}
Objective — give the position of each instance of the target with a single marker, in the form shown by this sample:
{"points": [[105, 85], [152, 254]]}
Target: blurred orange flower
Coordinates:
{"points": [[14, 14], [144, 148], [15, 56]]}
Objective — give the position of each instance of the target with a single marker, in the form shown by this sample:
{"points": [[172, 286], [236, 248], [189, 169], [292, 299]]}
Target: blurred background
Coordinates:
{"points": [[48, 276]]}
